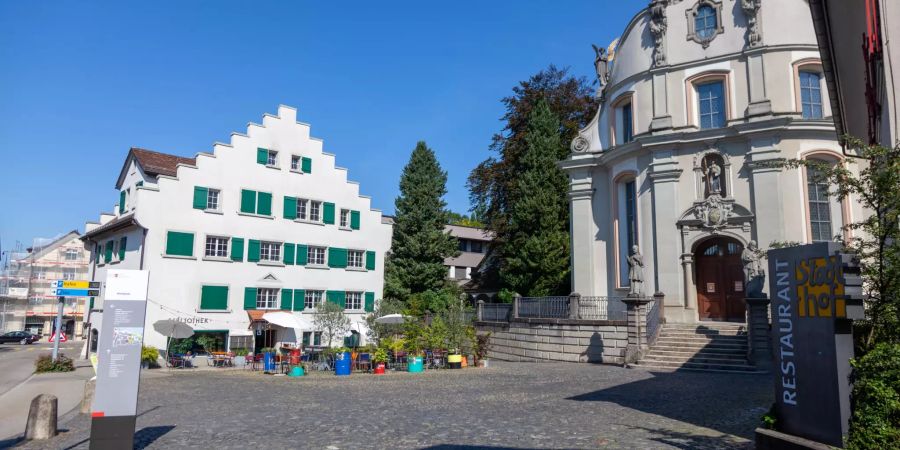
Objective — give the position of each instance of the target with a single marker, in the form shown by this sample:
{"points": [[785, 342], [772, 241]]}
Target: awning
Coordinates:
{"points": [[255, 316], [240, 333]]}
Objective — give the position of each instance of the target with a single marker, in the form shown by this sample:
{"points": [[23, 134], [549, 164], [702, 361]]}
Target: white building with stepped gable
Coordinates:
{"points": [[265, 223]]}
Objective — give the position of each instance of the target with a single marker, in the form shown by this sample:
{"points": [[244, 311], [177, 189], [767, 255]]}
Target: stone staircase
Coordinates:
{"points": [[707, 346]]}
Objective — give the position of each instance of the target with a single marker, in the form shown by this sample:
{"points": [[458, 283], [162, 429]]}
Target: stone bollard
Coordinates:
{"points": [[515, 307], [88, 396], [41, 418], [480, 310], [574, 305]]}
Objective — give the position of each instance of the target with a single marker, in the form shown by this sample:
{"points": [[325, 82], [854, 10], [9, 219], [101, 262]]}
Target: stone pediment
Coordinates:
{"points": [[715, 213]]}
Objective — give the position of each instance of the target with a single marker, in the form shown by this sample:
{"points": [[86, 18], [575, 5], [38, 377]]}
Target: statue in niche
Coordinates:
{"points": [[754, 275], [712, 171], [636, 272]]}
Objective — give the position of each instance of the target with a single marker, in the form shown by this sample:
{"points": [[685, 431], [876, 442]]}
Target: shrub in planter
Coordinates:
{"points": [[379, 358], [875, 399], [149, 355], [45, 363]]}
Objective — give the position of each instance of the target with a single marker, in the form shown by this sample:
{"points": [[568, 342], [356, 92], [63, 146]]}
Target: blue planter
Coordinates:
{"points": [[269, 362], [414, 364], [342, 363]]}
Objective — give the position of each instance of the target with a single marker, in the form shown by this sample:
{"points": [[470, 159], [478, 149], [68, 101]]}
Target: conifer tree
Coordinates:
{"points": [[537, 261], [416, 262]]}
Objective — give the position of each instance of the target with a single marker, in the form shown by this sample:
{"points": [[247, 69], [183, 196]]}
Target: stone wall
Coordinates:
{"points": [[538, 340]]}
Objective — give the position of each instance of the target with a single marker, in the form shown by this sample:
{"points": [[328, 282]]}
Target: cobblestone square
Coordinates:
{"points": [[510, 405]]}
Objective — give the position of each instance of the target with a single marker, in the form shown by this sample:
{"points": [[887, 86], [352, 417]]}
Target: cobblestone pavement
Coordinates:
{"points": [[510, 405]]}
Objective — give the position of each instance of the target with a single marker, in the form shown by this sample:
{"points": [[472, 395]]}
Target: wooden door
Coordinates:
{"points": [[720, 280]]}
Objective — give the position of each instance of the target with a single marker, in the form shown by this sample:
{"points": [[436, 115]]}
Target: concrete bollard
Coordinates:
{"points": [[41, 418], [88, 396]]}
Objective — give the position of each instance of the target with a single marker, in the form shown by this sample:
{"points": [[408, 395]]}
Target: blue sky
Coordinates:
{"points": [[82, 82]]}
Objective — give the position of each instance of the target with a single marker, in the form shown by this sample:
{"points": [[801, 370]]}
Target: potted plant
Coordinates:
{"points": [[416, 339], [482, 347], [149, 355], [379, 358], [240, 356]]}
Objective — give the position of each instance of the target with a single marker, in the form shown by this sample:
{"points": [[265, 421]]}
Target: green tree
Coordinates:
{"points": [[331, 320], [416, 262], [493, 185], [537, 262]]}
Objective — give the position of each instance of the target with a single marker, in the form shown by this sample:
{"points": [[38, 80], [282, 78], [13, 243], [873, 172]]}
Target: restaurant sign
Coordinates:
{"points": [[815, 293]]}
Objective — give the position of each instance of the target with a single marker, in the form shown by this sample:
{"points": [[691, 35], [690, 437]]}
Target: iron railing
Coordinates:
{"points": [[544, 307], [602, 308], [653, 321], [496, 312]]}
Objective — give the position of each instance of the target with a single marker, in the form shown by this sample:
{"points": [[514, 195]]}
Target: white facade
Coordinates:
{"points": [[757, 68], [158, 206]]}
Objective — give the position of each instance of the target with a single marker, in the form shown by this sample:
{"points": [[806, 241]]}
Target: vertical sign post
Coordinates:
{"points": [[114, 410], [59, 314]]}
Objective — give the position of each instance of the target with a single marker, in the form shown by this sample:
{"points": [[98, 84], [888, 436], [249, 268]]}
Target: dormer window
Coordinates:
{"points": [[704, 21]]}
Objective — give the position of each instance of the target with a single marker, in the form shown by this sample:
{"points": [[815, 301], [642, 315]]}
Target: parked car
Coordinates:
{"points": [[19, 337]]}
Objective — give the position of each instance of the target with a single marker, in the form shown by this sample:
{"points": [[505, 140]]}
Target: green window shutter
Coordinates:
{"points": [[354, 220], [337, 257], [248, 201], [91, 303], [200, 194], [214, 297], [287, 298], [249, 298], [237, 249], [264, 205], [299, 299], [370, 302], [107, 257], [139, 183], [317, 338], [306, 165], [121, 202], [306, 335], [337, 297], [302, 254], [290, 207], [253, 251], [180, 244], [122, 243], [370, 260], [328, 213], [289, 253], [262, 156]]}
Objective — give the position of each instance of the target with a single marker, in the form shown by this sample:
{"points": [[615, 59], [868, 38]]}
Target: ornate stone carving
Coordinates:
{"points": [[658, 26], [713, 213], [636, 273], [580, 144], [751, 9], [754, 275]]}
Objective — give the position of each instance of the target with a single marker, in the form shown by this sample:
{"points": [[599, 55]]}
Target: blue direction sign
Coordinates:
{"points": [[77, 292]]}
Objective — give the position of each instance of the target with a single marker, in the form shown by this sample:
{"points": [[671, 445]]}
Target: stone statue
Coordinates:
{"points": [[751, 9], [754, 275], [714, 179], [658, 26], [636, 272], [601, 65]]}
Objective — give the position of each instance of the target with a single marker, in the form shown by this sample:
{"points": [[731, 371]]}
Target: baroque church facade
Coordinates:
{"points": [[698, 98]]}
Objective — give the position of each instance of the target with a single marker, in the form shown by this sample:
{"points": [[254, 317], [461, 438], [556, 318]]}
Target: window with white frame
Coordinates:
{"points": [[711, 104], [295, 163], [627, 226], [270, 251], [71, 254], [315, 211], [824, 209], [40, 273], [345, 218], [216, 247], [272, 158], [316, 256], [68, 273], [312, 299], [266, 298], [356, 259], [212, 199], [811, 94], [302, 208], [353, 300]]}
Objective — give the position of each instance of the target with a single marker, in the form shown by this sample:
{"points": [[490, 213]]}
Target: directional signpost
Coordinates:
{"points": [[70, 288]]}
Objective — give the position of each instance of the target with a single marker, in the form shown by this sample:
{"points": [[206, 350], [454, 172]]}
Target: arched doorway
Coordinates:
{"points": [[720, 280]]}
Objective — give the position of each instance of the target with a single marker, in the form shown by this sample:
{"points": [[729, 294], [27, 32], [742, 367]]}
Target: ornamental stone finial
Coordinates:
{"points": [[658, 27], [751, 9]]}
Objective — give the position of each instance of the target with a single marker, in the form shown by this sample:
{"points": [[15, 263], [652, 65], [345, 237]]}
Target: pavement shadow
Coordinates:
{"points": [[471, 447], [11, 442], [145, 436], [689, 441], [715, 401]]}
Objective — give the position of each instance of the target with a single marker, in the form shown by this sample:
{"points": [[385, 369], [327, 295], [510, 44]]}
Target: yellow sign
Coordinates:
{"points": [[820, 288], [73, 284]]}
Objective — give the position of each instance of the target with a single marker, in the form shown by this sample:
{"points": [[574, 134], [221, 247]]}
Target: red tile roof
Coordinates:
{"points": [[156, 163]]}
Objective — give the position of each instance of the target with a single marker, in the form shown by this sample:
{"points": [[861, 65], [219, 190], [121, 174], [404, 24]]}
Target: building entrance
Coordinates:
{"points": [[720, 280]]}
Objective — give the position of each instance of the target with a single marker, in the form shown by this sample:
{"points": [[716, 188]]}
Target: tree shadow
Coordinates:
{"points": [[689, 441], [147, 435], [728, 403]]}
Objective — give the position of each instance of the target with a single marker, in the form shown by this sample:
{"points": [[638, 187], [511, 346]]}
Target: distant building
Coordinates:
{"points": [[473, 245], [26, 299], [853, 37], [264, 223]]}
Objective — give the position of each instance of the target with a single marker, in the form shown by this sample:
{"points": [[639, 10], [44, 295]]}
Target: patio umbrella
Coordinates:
{"points": [[172, 329], [392, 319]]}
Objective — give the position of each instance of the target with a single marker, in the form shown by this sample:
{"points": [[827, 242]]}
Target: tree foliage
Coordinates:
{"points": [[875, 399], [330, 318], [537, 260], [493, 184], [420, 245]]}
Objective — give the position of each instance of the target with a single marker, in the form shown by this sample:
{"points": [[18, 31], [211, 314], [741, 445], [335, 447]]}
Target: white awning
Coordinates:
{"points": [[240, 333]]}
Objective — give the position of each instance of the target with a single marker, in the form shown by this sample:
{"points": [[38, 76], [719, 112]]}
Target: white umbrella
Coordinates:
{"points": [[283, 319], [172, 329], [392, 319]]}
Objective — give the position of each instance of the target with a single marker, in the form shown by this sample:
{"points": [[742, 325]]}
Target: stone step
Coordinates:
{"points": [[697, 369], [704, 337], [699, 366], [692, 332], [742, 356], [708, 325], [706, 349], [699, 359], [700, 342]]}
